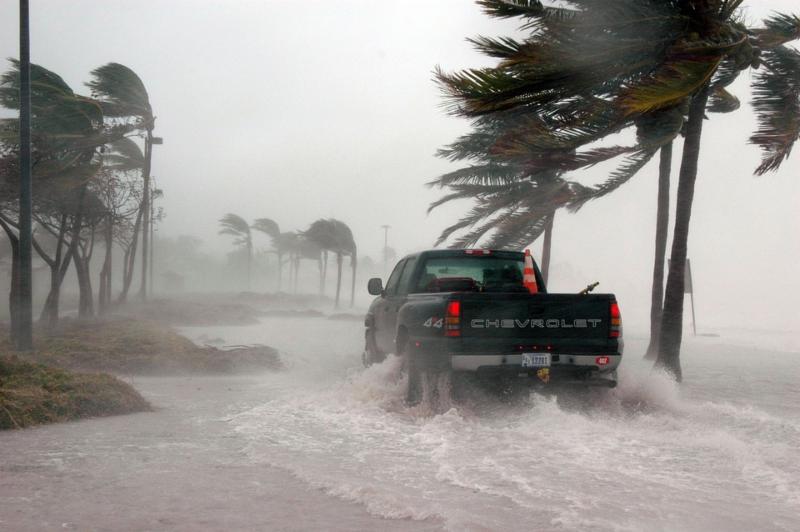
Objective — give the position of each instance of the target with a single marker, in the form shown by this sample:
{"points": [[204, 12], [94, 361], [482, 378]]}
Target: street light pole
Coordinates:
{"points": [[24, 307], [386, 246]]}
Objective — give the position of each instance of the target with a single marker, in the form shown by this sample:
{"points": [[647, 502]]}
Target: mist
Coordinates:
{"points": [[330, 111]]}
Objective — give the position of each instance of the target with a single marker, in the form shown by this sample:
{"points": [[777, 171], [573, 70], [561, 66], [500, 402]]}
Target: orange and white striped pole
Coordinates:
{"points": [[528, 275]]}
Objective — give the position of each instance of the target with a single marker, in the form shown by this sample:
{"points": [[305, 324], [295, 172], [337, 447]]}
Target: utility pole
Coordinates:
{"points": [[152, 235], [386, 246], [24, 307], [149, 142]]}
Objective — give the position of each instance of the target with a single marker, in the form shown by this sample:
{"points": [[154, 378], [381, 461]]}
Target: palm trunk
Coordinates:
{"points": [[546, 245], [280, 270], [672, 315], [339, 260], [324, 272], [296, 271], [354, 264], [319, 265], [249, 263], [662, 232]]}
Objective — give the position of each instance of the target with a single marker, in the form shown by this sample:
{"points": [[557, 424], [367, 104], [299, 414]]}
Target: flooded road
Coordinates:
{"points": [[328, 445]]}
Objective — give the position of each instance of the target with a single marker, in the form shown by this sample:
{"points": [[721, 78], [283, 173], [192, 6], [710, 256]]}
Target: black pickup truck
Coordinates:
{"points": [[474, 311]]}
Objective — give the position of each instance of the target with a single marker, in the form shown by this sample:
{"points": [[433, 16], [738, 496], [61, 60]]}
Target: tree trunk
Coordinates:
{"points": [[85, 297], [13, 295], [672, 315], [58, 269], [148, 151], [354, 264], [324, 272], [104, 289], [83, 261], [280, 271], [131, 257], [249, 263], [339, 260], [662, 232], [50, 311], [296, 271], [546, 245]]}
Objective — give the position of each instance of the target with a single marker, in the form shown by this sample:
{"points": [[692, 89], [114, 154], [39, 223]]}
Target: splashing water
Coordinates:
{"points": [[648, 455]]}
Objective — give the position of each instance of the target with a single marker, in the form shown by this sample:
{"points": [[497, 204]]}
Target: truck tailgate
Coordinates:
{"points": [[562, 321]]}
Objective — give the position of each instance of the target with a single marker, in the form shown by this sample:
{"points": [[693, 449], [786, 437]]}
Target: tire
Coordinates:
{"points": [[414, 384], [371, 354]]}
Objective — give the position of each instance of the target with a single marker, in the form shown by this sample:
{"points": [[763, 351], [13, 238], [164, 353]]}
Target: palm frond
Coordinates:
{"points": [[778, 30], [722, 101], [121, 92], [673, 82], [233, 224], [267, 226], [629, 168], [776, 101]]}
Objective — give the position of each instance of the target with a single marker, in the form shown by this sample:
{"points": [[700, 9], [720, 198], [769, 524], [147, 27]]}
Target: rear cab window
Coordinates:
{"points": [[471, 273]]}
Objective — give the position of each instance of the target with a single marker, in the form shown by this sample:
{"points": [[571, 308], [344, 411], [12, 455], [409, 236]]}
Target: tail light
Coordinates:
{"points": [[452, 319], [616, 321]]}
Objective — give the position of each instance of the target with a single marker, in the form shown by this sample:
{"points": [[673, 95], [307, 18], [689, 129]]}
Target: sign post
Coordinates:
{"points": [[688, 288]]}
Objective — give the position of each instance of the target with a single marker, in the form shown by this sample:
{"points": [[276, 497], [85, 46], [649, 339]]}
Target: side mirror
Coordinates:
{"points": [[375, 286]]}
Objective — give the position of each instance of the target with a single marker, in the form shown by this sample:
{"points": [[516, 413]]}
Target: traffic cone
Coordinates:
{"points": [[528, 275]]}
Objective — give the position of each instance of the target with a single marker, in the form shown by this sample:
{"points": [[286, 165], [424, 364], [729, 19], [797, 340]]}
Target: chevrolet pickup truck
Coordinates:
{"points": [[484, 311]]}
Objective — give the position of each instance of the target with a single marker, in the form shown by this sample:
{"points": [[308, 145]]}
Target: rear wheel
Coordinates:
{"points": [[427, 382]]}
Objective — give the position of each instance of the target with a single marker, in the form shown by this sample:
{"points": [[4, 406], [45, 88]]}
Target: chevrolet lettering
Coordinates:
{"points": [[530, 323]]}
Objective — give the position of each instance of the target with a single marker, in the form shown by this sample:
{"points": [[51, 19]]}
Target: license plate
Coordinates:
{"points": [[536, 360]]}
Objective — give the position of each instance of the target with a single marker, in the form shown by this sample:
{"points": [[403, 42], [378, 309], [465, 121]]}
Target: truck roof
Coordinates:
{"points": [[458, 252]]}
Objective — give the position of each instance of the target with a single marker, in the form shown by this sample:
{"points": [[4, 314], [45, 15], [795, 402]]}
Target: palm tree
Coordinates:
{"points": [[235, 225], [594, 68], [335, 236], [271, 228], [122, 94]]}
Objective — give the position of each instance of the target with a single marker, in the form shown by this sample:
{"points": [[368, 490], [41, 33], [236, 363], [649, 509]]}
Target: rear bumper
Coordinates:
{"points": [[513, 362]]}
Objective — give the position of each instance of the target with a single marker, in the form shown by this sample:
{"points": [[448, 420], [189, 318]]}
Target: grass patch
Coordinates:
{"points": [[32, 394], [138, 347], [190, 312]]}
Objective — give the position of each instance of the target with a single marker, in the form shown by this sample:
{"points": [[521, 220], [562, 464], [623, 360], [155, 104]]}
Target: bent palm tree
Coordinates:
{"points": [[590, 69], [236, 226], [122, 94], [335, 236], [271, 228]]}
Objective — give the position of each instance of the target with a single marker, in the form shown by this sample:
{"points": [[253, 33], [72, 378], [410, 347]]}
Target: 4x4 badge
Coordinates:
{"points": [[434, 322]]}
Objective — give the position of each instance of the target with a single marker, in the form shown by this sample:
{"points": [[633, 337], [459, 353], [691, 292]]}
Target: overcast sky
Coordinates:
{"points": [[300, 110]]}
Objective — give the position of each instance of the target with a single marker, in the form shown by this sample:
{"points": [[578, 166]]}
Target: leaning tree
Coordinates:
{"points": [[236, 226]]}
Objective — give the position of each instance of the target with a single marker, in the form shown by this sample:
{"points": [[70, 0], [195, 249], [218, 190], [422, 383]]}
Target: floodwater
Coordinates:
{"points": [[329, 445]]}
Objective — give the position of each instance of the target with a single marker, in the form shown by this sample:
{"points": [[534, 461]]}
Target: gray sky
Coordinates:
{"points": [[296, 111]]}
